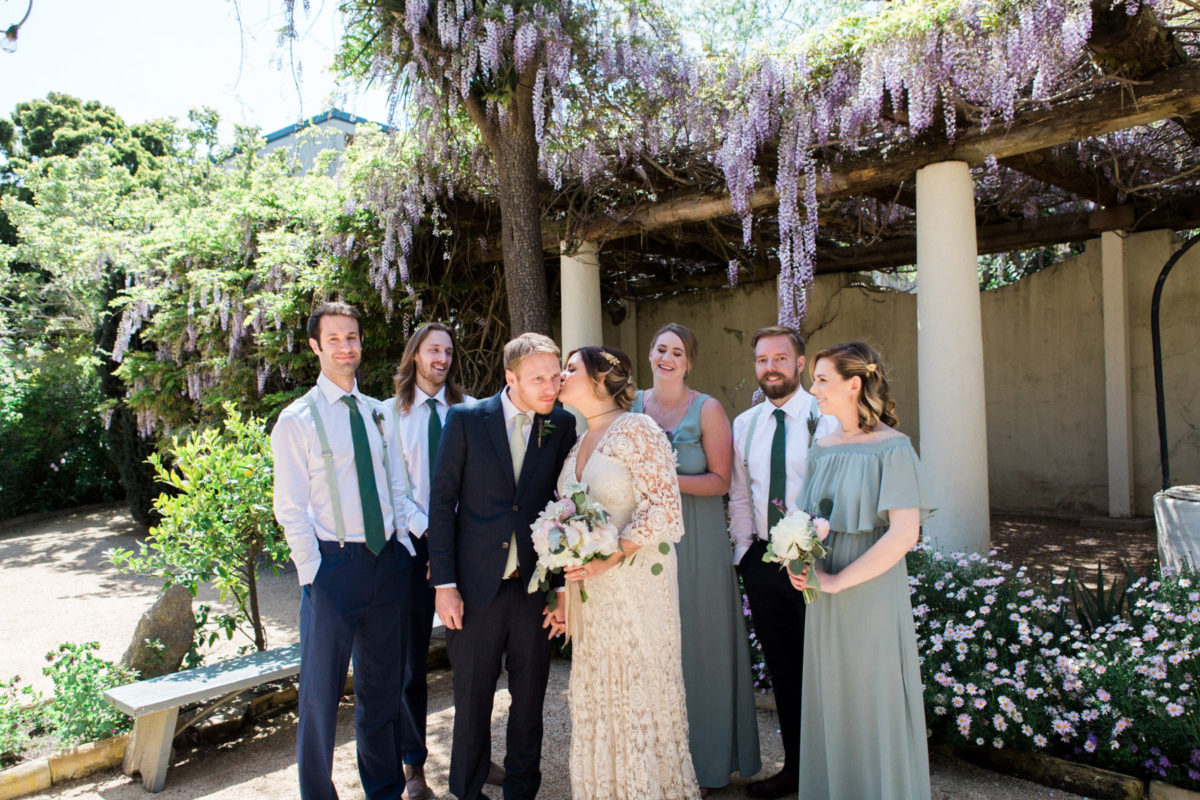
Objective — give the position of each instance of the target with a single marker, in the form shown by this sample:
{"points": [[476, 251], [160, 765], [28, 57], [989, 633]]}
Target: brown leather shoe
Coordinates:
{"points": [[495, 774], [780, 784], [415, 787]]}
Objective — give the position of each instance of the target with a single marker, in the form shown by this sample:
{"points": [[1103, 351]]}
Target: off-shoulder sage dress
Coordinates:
{"points": [[863, 717], [716, 653], [629, 727]]}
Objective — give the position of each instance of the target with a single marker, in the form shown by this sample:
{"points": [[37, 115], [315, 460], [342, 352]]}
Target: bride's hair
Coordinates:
{"points": [[610, 368], [859, 360]]}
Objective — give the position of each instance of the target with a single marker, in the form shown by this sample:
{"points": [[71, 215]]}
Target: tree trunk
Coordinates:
{"points": [[515, 154], [520, 226], [260, 635]]}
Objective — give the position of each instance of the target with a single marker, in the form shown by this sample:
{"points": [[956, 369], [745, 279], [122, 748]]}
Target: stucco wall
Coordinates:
{"points": [[1044, 366]]}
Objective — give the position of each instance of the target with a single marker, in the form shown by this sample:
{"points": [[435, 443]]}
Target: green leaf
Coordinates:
{"points": [[796, 567]]}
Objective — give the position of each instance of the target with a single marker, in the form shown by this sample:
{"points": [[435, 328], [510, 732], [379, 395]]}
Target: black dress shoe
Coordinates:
{"points": [[780, 784], [495, 774]]}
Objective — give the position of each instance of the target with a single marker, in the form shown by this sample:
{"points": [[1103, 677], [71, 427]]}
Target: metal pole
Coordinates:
{"points": [[1156, 340]]}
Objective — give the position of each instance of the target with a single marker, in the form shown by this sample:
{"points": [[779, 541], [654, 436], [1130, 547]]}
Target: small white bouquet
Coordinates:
{"points": [[571, 531], [795, 542]]}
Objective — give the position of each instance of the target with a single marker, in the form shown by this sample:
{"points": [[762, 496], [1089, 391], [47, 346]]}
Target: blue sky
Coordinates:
{"points": [[158, 58]]}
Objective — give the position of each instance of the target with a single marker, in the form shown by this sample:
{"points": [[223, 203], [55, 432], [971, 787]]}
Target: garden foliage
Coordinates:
{"points": [[217, 526], [1005, 665]]}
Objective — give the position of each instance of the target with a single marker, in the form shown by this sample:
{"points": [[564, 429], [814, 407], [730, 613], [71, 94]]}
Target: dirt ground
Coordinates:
{"points": [[57, 586]]}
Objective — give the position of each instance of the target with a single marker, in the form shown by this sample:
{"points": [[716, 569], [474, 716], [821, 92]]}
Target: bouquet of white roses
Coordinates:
{"points": [[796, 543], [571, 531]]}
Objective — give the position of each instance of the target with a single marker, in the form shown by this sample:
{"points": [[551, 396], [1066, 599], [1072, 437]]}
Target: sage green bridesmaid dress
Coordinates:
{"points": [[723, 728], [862, 731]]}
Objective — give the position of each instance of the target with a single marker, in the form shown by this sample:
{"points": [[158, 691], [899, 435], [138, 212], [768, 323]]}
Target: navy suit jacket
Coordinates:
{"points": [[476, 504]]}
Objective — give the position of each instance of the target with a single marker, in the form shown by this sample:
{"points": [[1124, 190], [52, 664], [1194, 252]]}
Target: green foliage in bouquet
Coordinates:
{"points": [[218, 526]]}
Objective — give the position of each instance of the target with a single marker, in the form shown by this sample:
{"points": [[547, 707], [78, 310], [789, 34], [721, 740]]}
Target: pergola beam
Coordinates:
{"points": [[1171, 93]]}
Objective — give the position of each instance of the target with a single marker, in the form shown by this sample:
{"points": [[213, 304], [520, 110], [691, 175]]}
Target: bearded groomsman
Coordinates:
{"points": [[427, 385], [333, 497], [771, 443]]}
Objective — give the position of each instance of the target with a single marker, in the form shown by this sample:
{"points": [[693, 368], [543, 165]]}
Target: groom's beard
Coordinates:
{"points": [[785, 387]]}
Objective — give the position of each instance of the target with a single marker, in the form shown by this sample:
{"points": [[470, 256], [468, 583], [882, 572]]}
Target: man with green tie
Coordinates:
{"points": [[427, 385], [338, 506], [770, 443]]}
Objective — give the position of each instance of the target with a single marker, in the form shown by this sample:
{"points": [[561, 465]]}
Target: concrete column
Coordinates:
{"points": [[950, 361], [627, 332], [581, 297], [1118, 406]]}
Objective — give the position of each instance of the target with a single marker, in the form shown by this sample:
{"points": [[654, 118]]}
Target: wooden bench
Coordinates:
{"points": [[154, 704]]}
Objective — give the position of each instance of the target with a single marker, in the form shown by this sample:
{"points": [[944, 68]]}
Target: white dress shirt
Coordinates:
{"points": [[414, 445], [301, 498], [510, 420], [745, 521]]}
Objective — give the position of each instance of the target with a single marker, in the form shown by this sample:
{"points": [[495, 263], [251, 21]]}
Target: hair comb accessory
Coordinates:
{"points": [[610, 358], [870, 369]]}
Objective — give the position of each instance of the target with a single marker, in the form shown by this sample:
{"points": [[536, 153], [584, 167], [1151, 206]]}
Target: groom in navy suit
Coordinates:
{"points": [[496, 469]]}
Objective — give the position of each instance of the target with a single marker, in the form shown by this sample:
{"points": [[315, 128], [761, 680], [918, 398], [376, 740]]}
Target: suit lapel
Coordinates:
{"points": [[498, 433]]}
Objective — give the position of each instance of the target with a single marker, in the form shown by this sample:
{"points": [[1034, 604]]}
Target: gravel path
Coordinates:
{"points": [[58, 587]]}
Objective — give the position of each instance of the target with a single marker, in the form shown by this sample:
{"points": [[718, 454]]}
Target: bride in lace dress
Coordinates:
{"points": [[629, 730]]}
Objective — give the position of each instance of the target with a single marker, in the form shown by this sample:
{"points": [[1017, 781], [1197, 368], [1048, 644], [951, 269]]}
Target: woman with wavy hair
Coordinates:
{"points": [[863, 721], [629, 729]]}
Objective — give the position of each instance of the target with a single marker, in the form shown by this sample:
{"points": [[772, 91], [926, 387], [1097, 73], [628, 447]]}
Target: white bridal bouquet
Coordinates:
{"points": [[796, 543], [571, 531]]}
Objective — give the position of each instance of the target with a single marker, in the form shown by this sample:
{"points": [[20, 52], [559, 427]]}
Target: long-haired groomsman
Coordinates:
{"points": [[427, 384]]}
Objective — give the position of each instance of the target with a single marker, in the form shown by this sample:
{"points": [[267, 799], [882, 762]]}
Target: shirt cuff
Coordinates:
{"points": [[406, 543], [446, 586], [306, 573]]}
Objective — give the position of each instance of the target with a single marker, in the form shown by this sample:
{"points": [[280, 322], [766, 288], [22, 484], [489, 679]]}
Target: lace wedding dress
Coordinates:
{"points": [[629, 730]]}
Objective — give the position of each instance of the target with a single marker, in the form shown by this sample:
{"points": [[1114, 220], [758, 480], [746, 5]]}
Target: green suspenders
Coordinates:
{"points": [[335, 498]]}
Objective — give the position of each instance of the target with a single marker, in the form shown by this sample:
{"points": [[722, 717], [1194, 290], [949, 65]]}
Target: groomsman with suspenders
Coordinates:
{"points": [[426, 386], [335, 499], [771, 442]]}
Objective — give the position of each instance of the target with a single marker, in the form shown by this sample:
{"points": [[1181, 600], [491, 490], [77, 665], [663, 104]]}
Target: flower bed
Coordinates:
{"points": [[1006, 666]]}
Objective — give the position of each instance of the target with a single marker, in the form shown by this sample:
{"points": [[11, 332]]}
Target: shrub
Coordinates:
{"points": [[16, 718], [52, 436], [79, 712], [218, 525], [1004, 665]]}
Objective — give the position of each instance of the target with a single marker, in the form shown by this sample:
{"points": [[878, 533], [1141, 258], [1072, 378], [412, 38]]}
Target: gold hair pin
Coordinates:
{"points": [[610, 358], [870, 369]]}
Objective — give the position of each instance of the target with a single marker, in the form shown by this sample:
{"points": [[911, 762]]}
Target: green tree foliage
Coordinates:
{"points": [[218, 525]]}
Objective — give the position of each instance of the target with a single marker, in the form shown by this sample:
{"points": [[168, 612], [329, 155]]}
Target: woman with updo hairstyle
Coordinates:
{"points": [[862, 733], [629, 725], [716, 652]]}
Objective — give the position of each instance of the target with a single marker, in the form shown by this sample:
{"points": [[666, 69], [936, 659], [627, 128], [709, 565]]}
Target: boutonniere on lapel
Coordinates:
{"points": [[812, 421], [545, 428], [378, 417]]}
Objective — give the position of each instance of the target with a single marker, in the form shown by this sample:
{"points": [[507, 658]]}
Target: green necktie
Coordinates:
{"points": [[435, 434], [777, 492], [368, 493], [516, 444]]}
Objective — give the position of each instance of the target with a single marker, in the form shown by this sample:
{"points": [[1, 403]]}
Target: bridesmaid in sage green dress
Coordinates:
{"points": [[716, 655], [862, 731]]}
